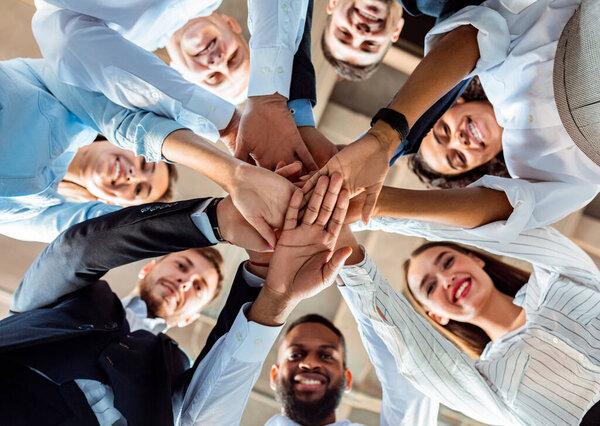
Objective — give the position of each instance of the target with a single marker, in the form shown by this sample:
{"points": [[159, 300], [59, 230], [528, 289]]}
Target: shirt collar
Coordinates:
{"points": [[137, 315]]}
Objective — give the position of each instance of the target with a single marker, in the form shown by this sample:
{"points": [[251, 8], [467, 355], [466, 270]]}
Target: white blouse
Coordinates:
{"points": [[517, 43], [545, 372]]}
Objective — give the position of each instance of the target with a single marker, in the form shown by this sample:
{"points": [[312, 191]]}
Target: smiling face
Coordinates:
{"points": [[178, 286], [310, 376], [211, 52], [359, 31], [117, 176], [450, 285], [465, 137]]}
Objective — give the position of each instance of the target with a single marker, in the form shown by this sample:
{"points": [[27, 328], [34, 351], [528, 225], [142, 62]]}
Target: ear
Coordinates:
{"points": [[144, 271], [231, 23], [397, 30], [439, 319], [348, 375], [479, 261], [188, 320], [273, 375], [331, 6], [460, 100]]}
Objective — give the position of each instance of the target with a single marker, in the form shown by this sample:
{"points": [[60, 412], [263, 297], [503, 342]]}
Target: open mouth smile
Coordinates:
{"points": [[461, 289]]}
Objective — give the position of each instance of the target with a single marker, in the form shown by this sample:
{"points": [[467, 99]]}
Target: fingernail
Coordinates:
{"points": [[270, 245]]}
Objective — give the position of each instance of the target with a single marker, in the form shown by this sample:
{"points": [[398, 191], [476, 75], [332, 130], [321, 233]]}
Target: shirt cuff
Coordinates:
{"points": [[493, 37], [155, 137], [253, 341], [360, 277], [214, 110], [270, 71], [301, 110], [251, 279], [200, 219]]}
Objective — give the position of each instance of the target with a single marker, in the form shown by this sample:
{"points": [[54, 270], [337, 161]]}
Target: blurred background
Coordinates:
{"points": [[343, 113]]}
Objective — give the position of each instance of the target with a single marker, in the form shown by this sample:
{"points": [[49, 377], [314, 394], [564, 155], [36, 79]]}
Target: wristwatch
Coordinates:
{"points": [[211, 212], [395, 119]]}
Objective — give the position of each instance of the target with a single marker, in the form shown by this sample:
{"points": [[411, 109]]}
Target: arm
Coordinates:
{"points": [[85, 252], [401, 403], [421, 354], [80, 46], [267, 133]]}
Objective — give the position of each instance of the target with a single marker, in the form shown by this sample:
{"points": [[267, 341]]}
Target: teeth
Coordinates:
{"points": [[117, 171], [461, 289], [310, 382], [367, 15], [475, 132], [208, 46]]}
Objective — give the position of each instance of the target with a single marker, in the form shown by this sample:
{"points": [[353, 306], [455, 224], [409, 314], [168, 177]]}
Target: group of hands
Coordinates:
{"points": [[289, 213]]}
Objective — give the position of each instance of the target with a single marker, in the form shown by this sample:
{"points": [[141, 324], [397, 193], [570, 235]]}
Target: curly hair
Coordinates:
{"points": [[496, 166]]}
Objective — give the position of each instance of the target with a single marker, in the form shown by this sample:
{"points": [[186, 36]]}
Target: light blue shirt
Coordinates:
{"points": [[43, 123]]}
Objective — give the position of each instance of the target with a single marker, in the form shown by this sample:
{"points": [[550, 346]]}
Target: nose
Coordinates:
{"points": [[184, 284], [362, 28], [459, 140], [215, 60], [447, 280], [310, 362]]}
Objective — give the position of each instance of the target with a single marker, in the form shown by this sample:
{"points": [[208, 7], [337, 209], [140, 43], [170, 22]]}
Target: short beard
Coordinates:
{"points": [[154, 307], [309, 413]]}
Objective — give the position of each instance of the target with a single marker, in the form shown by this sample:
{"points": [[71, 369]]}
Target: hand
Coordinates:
{"points": [[229, 134], [258, 263], [304, 261], [364, 165], [318, 145], [262, 197], [236, 230], [268, 134]]}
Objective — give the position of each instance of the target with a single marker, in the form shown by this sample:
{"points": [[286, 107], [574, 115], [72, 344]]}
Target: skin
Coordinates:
{"points": [[178, 286], [451, 147], [137, 181], [211, 51], [434, 277], [358, 39], [310, 351]]}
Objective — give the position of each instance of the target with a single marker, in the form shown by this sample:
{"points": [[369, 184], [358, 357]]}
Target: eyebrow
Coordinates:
{"points": [[439, 257], [301, 346], [190, 263]]}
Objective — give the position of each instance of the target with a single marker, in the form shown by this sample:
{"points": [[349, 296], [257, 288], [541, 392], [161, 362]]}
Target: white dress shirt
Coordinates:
{"points": [[281, 420], [545, 372], [105, 46], [517, 44]]}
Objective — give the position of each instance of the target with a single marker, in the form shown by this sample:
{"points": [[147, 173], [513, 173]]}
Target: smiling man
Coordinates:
{"points": [[310, 376]]}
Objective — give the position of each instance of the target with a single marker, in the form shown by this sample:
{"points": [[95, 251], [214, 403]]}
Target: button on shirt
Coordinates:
{"points": [[44, 122], [517, 44], [545, 372]]}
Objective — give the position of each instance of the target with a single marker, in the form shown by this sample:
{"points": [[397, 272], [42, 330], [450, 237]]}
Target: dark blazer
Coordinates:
{"points": [[84, 334], [304, 82]]}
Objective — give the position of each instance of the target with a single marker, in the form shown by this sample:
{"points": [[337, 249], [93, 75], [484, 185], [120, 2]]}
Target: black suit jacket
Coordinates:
{"points": [[84, 333], [304, 82]]}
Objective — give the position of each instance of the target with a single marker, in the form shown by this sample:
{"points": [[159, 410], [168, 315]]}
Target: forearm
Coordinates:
{"points": [[270, 309], [461, 207], [184, 147]]}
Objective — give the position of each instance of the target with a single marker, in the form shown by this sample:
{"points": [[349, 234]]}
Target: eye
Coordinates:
{"points": [[446, 130], [180, 266], [430, 288], [448, 262], [138, 189], [462, 161], [143, 164], [326, 356], [294, 356], [233, 57]]}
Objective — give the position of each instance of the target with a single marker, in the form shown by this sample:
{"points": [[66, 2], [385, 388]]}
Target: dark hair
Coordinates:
{"points": [[495, 167], [169, 194], [345, 69], [506, 278], [319, 320]]}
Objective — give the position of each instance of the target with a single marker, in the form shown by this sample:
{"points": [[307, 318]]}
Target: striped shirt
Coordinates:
{"points": [[545, 372]]}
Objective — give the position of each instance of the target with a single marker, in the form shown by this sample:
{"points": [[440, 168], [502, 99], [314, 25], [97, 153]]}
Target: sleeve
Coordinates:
{"points": [[493, 35], [542, 247], [422, 355], [85, 252], [81, 50], [276, 28], [401, 403], [535, 204], [223, 380], [304, 81], [47, 224], [302, 112], [140, 131]]}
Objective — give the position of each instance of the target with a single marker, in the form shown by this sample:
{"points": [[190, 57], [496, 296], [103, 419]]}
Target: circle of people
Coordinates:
{"points": [[498, 116]]}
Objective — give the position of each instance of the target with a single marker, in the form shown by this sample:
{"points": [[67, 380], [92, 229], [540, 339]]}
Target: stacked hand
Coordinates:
{"points": [[363, 166], [268, 134]]}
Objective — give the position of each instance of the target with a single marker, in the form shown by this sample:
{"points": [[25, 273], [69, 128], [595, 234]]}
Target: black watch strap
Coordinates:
{"points": [[395, 119], [211, 212]]}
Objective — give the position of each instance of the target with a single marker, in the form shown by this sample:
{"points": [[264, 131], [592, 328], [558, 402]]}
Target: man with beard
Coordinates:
{"points": [[311, 376]]}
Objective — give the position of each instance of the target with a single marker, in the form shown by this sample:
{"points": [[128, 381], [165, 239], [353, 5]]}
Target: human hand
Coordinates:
{"points": [[229, 134], [321, 148], [304, 261], [262, 197], [363, 165], [268, 134]]}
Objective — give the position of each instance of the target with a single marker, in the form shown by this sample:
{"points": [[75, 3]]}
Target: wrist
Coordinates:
{"points": [[271, 308], [267, 99], [386, 136]]}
